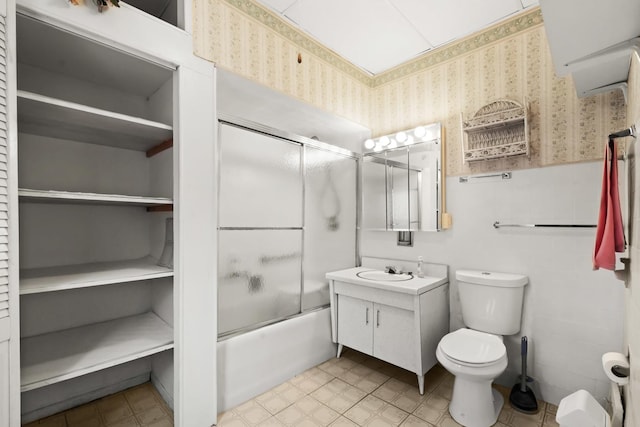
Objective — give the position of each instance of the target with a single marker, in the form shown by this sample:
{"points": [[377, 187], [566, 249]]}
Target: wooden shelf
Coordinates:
{"points": [[56, 118], [53, 196], [62, 355], [51, 279]]}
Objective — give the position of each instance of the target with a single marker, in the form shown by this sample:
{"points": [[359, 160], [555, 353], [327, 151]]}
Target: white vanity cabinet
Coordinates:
{"points": [[398, 322]]}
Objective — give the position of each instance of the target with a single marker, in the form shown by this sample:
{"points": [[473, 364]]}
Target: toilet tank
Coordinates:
{"points": [[491, 302]]}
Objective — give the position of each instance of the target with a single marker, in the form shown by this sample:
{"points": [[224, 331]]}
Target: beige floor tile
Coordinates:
{"points": [[550, 420], [57, 420], [538, 417], [413, 421], [126, 422], [271, 422], [88, 422], [164, 422], [278, 398], [311, 380], [505, 415], [113, 409], [85, 415], [552, 409], [429, 413], [307, 412], [338, 395], [337, 367], [447, 421], [444, 389], [518, 421], [372, 411], [366, 379], [343, 422], [152, 415], [248, 414], [141, 398], [400, 394]]}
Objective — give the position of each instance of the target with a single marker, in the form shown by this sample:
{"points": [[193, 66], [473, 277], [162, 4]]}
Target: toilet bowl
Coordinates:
{"points": [[475, 359], [491, 306]]}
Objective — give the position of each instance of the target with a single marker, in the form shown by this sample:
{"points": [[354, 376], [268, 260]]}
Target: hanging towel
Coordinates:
{"points": [[610, 233]]}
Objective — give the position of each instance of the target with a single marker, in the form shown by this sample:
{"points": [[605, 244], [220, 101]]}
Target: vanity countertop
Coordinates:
{"points": [[414, 286]]}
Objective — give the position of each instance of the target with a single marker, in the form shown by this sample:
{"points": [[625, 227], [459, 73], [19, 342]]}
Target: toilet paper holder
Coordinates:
{"points": [[620, 371]]}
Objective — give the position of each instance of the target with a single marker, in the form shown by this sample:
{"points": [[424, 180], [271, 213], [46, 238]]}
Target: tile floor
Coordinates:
{"points": [[137, 406], [355, 390], [358, 390]]}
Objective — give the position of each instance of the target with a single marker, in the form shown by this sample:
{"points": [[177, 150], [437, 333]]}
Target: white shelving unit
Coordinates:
{"points": [[47, 116], [74, 352], [51, 279], [52, 196], [94, 146]]}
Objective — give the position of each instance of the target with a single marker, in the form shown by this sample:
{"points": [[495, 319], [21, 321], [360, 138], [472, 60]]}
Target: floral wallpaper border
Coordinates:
{"points": [[499, 31], [429, 59]]}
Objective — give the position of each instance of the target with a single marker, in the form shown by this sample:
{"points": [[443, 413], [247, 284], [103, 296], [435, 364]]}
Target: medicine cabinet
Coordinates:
{"points": [[402, 181]]}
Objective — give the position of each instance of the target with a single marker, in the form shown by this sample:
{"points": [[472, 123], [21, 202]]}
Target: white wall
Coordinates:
{"points": [[572, 315]]}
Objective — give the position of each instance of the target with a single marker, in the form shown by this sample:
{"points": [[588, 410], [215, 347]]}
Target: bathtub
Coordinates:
{"points": [[254, 362]]}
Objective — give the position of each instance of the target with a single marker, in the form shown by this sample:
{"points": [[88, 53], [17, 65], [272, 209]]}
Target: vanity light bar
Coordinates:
{"points": [[425, 133]]}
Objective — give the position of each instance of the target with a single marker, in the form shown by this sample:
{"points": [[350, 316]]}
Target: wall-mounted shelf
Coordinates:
{"points": [[46, 116], [59, 278], [52, 196], [62, 355], [499, 129]]}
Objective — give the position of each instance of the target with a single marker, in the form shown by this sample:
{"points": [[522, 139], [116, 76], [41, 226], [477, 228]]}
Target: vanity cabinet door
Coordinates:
{"points": [[355, 323], [394, 336]]}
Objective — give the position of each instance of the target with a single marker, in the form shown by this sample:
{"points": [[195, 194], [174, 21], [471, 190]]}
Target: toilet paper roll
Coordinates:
{"points": [[609, 360]]}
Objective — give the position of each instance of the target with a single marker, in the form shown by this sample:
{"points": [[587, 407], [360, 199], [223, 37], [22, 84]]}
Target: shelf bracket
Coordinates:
{"points": [[160, 208], [165, 145]]}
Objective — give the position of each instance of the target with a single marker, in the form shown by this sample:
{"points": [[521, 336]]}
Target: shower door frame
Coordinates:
{"points": [[241, 123]]}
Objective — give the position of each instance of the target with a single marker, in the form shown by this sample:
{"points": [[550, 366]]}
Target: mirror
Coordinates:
{"points": [[401, 181]]}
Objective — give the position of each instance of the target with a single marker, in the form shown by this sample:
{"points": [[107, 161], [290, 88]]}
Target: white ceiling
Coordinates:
{"points": [[377, 35]]}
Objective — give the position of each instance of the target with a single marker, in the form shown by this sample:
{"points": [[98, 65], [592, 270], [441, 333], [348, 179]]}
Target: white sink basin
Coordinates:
{"points": [[382, 276]]}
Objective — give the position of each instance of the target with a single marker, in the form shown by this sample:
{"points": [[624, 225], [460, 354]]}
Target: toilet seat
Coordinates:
{"points": [[472, 348]]}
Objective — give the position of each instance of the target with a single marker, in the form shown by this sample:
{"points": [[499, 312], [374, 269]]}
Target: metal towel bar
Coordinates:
{"points": [[498, 225]]}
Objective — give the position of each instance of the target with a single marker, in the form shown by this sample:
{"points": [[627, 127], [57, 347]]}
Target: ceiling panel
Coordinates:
{"points": [[278, 5], [372, 34], [377, 35], [443, 21]]}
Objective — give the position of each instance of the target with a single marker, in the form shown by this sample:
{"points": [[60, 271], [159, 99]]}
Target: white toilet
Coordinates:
{"points": [[491, 307]]}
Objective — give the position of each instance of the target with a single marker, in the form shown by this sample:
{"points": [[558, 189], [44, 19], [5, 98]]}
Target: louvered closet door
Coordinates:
{"points": [[9, 368]]}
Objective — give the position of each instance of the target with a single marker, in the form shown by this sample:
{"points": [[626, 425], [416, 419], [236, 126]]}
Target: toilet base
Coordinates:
{"points": [[475, 403]]}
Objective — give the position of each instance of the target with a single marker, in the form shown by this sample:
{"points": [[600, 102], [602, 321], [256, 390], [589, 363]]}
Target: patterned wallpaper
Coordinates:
{"points": [[563, 128], [243, 37], [508, 60]]}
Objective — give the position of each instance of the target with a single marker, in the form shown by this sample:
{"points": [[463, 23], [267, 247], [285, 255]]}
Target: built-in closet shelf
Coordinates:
{"points": [[62, 355], [46, 116], [60, 278], [53, 196]]}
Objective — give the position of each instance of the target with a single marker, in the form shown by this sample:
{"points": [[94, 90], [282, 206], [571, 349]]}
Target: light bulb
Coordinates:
{"points": [[393, 144], [409, 140], [377, 148], [369, 144], [420, 131], [384, 141], [401, 136]]}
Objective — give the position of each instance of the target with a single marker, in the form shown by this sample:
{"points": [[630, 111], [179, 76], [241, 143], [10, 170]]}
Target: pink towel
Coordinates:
{"points": [[609, 234]]}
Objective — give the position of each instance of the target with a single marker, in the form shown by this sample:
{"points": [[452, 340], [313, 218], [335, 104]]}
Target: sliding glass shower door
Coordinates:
{"points": [[287, 215]]}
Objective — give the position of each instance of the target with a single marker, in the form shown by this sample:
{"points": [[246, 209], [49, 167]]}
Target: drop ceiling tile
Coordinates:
{"points": [[278, 5], [371, 34], [529, 3], [443, 21]]}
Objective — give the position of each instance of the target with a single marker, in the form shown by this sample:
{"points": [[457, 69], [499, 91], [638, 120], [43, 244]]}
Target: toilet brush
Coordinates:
{"points": [[522, 397]]}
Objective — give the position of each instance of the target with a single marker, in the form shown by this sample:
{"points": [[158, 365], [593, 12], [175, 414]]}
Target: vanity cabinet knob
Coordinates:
{"points": [[366, 318]]}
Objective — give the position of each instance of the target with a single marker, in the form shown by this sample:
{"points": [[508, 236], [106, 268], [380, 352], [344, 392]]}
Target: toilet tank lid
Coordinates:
{"points": [[490, 278]]}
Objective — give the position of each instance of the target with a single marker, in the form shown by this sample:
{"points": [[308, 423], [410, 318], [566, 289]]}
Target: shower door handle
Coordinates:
{"points": [[366, 316], [377, 318]]}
